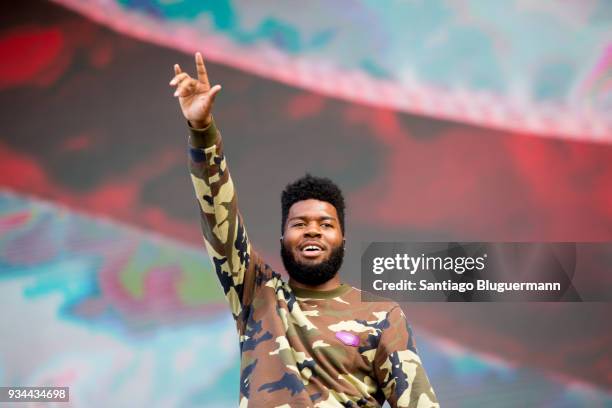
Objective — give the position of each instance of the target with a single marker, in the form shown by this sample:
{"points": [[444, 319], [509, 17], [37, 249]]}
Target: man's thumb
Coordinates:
{"points": [[213, 92]]}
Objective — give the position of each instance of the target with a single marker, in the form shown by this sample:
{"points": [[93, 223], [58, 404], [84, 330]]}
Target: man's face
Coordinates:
{"points": [[312, 247]]}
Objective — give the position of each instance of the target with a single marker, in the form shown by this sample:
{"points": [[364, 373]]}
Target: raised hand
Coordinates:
{"points": [[196, 97]]}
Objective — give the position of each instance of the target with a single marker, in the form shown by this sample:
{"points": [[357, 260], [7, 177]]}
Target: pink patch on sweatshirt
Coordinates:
{"points": [[347, 338]]}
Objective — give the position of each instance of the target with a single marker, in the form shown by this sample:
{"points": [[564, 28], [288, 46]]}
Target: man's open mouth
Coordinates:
{"points": [[311, 249]]}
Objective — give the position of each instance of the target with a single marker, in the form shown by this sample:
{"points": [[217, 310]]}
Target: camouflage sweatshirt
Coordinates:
{"points": [[300, 348]]}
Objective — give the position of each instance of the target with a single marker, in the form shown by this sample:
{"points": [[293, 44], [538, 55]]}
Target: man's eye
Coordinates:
{"points": [[298, 224], [327, 225]]}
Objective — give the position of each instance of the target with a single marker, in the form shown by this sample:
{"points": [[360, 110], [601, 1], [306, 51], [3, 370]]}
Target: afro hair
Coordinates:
{"points": [[311, 187]]}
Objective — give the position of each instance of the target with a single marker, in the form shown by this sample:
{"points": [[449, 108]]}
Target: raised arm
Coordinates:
{"points": [[222, 226]]}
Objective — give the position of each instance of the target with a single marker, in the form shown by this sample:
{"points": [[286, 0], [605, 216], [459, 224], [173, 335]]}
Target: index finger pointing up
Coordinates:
{"points": [[202, 75]]}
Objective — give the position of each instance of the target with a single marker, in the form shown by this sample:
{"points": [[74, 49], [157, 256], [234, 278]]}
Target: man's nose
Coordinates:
{"points": [[312, 231]]}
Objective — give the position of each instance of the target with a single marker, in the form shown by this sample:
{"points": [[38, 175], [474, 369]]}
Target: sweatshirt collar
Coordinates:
{"points": [[321, 294]]}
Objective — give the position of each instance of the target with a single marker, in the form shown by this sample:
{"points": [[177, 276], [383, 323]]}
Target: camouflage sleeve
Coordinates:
{"points": [[398, 368], [225, 237]]}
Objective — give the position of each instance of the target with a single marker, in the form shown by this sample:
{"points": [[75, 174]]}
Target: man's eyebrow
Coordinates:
{"points": [[323, 217]]}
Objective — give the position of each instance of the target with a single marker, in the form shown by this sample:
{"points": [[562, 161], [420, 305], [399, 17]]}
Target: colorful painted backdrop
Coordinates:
{"points": [[441, 120]]}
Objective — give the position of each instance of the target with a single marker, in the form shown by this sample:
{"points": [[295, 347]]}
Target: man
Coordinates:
{"points": [[310, 342]]}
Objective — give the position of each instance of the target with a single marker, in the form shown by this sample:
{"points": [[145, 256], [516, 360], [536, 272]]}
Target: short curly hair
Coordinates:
{"points": [[312, 187]]}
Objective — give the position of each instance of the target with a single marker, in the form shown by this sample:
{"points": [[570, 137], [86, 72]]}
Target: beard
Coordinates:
{"points": [[313, 275]]}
